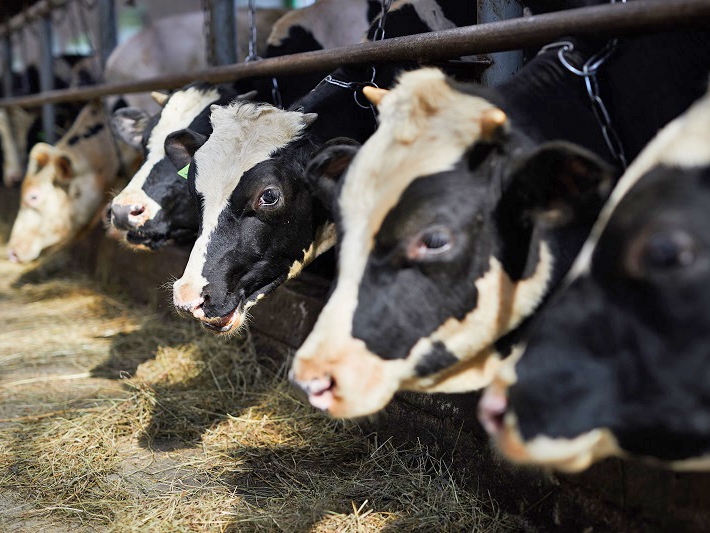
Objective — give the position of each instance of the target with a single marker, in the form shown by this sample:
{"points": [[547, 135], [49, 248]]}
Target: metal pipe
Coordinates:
{"points": [[46, 76], [6, 43], [504, 64], [108, 36], [609, 20], [222, 36], [32, 13]]}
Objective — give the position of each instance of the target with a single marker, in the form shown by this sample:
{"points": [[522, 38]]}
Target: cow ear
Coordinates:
{"points": [[65, 170], [180, 146], [327, 166], [129, 124], [559, 182]]}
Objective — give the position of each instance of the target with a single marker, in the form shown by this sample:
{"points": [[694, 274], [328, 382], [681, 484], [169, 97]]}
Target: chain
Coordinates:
{"points": [[206, 33], [380, 30], [254, 56], [588, 73]]}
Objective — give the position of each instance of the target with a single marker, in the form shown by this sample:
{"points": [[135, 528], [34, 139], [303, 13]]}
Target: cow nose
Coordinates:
{"points": [[126, 216], [13, 180], [318, 390], [12, 256], [491, 410]]}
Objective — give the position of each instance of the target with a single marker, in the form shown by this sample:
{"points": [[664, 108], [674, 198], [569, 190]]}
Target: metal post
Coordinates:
{"points": [[505, 64], [108, 34], [223, 33], [46, 75], [6, 44]]}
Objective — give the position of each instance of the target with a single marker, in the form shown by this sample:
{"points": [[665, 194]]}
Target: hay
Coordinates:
{"points": [[165, 427]]}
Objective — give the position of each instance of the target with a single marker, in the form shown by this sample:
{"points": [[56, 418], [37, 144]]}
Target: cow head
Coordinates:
{"points": [[443, 219], [259, 224], [156, 207], [65, 186], [618, 363]]}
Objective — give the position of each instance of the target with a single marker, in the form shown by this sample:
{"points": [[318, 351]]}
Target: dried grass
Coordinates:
{"points": [[164, 427]]}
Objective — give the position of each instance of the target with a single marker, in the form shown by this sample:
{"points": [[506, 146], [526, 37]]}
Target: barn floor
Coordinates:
{"points": [[114, 418]]}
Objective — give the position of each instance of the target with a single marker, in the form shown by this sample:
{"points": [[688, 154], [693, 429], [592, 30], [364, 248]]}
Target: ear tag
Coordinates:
{"points": [[183, 171]]}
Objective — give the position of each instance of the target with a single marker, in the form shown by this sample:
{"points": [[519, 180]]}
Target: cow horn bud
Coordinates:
{"points": [[160, 98], [374, 94], [492, 120]]}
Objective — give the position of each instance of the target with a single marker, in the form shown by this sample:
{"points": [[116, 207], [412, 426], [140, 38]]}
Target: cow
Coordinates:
{"points": [[66, 184], [156, 207], [261, 224], [20, 128], [618, 363], [446, 247]]}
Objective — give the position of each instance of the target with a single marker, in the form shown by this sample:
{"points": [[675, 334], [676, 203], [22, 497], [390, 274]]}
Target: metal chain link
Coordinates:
{"points": [[588, 73]]}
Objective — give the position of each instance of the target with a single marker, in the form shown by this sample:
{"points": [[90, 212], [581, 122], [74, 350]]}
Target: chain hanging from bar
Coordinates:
{"points": [[357, 86], [254, 56], [588, 73], [206, 32]]}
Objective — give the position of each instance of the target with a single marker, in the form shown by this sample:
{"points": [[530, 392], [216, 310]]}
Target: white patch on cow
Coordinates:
{"points": [[325, 240], [684, 143], [332, 23], [179, 112], [56, 208], [566, 455], [244, 135], [502, 305]]}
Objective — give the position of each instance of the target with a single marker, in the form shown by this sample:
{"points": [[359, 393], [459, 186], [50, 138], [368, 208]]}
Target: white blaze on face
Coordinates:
{"points": [[244, 135], [684, 142], [65, 186], [179, 112]]}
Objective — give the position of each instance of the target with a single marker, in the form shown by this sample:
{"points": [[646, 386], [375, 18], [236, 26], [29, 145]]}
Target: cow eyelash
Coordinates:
{"points": [[430, 243]]}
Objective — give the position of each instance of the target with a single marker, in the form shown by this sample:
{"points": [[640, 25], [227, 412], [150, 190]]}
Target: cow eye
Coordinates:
{"points": [[431, 242], [668, 250], [269, 197]]}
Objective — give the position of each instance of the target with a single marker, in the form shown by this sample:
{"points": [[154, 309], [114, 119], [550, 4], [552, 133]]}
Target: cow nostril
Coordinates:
{"points": [[137, 209], [12, 256]]}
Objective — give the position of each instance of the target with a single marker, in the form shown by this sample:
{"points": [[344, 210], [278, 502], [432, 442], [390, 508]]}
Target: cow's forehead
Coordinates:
{"points": [[180, 110], [425, 128], [683, 143]]}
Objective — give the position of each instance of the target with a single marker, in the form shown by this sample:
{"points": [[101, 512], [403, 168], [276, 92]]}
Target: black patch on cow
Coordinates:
{"points": [[252, 250], [437, 359], [626, 348], [400, 300], [90, 132], [299, 39], [404, 21]]}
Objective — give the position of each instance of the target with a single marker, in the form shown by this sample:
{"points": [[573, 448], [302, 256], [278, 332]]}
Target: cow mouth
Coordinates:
{"points": [[224, 323], [235, 318], [152, 241]]}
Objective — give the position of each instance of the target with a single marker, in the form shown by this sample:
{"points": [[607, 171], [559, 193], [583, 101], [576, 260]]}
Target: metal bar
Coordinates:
{"points": [[619, 19], [34, 12], [108, 36], [46, 76], [6, 43], [505, 64], [222, 36]]}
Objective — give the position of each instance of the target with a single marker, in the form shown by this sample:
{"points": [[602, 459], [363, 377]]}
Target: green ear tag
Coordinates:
{"points": [[183, 171]]}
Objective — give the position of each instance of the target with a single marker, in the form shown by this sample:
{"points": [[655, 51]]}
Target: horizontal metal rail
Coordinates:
{"points": [[35, 12], [609, 20]]}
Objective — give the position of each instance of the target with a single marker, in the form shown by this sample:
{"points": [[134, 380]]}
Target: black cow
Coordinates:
{"points": [[458, 216], [619, 362], [260, 223], [156, 207]]}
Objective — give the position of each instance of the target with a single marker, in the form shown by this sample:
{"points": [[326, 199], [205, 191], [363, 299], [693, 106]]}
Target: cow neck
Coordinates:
{"points": [[547, 102]]}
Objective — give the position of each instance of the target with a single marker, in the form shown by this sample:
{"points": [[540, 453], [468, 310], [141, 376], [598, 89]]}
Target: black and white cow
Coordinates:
{"points": [[156, 207], [619, 362], [459, 214], [260, 222]]}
